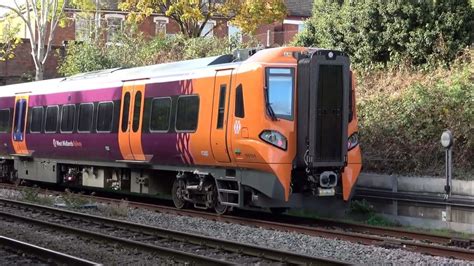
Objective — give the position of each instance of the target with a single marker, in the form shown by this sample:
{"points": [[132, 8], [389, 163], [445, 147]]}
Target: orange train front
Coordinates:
{"points": [[260, 130]]}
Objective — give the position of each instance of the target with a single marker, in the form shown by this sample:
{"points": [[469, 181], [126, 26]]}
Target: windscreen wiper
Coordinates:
{"points": [[270, 111]]}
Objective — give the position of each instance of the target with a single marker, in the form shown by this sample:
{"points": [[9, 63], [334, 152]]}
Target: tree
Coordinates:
{"points": [[192, 15], [380, 33], [41, 18], [8, 38]]}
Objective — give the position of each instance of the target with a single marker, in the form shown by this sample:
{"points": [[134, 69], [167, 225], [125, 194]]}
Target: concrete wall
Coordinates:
{"points": [[422, 215], [415, 184]]}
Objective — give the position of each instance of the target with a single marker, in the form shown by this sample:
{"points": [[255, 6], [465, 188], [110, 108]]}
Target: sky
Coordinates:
{"points": [[8, 3]]}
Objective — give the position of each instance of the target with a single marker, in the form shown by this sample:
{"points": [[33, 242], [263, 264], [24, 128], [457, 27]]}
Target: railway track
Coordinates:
{"points": [[437, 245], [14, 252], [181, 246], [371, 235]]}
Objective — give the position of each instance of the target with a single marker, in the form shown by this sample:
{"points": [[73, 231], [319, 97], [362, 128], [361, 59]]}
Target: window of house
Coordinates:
{"points": [[36, 123], [83, 27], [235, 33], [86, 112], [160, 25], [114, 25], [299, 23], [4, 120], [105, 114], [208, 30], [160, 114], [301, 27], [187, 113], [51, 121]]}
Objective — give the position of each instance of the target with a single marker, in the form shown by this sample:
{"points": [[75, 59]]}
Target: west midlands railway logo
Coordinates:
{"points": [[66, 143], [237, 127]]}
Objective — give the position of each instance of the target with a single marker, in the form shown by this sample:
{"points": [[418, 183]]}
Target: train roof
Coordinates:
{"points": [[161, 72], [116, 76]]}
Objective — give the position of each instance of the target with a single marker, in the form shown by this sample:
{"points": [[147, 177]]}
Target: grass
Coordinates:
{"points": [[402, 113], [34, 195]]}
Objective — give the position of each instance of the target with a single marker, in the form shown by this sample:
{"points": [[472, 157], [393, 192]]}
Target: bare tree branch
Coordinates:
{"points": [[41, 33]]}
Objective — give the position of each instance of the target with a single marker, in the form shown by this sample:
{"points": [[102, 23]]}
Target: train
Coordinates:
{"points": [[264, 129]]}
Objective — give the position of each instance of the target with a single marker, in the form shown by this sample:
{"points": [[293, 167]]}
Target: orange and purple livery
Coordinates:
{"points": [[258, 129]]}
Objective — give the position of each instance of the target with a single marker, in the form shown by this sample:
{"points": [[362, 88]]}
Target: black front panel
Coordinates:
{"points": [[329, 113], [323, 109]]}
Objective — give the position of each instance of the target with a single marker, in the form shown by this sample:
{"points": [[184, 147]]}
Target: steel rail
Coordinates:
{"points": [[378, 237], [358, 234], [236, 247], [43, 253], [291, 220]]}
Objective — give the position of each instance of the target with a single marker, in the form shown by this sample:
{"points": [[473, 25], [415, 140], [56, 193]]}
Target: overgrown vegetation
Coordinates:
{"points": [[132, 49], [363, 211], [415, 78], [74, 200], [378, 34], [402, 114], [115, 209], [34, 195]]}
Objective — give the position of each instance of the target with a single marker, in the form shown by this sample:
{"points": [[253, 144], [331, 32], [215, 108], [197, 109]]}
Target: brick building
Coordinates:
{"points": [[111, 19]]}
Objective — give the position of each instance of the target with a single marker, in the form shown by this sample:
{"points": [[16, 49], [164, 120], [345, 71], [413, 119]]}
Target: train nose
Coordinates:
{"points": [[328, 179]]}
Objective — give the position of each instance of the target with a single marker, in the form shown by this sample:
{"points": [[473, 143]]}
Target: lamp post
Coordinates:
{"points": [[447, 142]]}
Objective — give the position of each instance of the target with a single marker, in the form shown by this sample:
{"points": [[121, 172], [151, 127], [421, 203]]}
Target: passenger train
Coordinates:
{"points": [[256, 129]]}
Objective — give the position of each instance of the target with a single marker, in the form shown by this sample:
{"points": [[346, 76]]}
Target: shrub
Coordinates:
{"points": [[132, 49], [382, 33], [403, 113]]}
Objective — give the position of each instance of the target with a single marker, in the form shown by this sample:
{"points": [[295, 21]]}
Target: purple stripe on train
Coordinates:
{"points": [[7, 102], [77, 146], [164, 89], [109, 94]]}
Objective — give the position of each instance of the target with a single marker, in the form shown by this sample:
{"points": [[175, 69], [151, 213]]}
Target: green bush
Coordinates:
{"points": [[389, 33], [402, 116], [131, 49]]}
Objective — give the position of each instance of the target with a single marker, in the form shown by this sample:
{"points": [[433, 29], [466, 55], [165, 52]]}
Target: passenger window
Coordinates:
{"points": [[220, 111], [86, 112], [239, 102], [67, 118], [126, 111], [36, 123], [137, 111], [187, 113], [160, 114], [105, 113], [20, 115], [51, 119], [4, 120]]}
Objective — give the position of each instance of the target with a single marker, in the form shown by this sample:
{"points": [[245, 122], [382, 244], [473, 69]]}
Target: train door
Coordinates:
{"points": [[130, 123], [222, 85], [19, 125]]}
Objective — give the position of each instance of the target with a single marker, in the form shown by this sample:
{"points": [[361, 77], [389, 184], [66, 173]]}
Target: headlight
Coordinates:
{"points": [[352, 141], [275, 138]]}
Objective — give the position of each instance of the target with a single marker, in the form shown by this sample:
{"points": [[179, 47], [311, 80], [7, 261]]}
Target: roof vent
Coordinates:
{"points": [[244, 54]]}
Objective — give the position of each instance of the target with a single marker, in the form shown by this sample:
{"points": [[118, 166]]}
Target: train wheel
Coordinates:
{"points": [[177, 192], [218, 207]]}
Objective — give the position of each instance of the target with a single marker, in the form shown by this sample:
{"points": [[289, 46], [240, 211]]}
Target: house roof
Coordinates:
{"points": [[299, 8]]}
